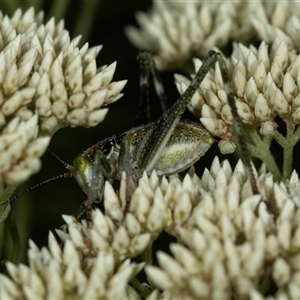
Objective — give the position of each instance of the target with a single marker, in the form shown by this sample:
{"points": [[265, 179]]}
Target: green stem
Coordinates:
{"points": [[2, 244], [264, 282], [147, 255], [279, 138], [6, 192], [288, 151], [86, 19], [58, 9], [5, 195], [147, 258], [261, 150], [11, 243], [144, 291], [15, 238], [288, 143], [296, 135]]}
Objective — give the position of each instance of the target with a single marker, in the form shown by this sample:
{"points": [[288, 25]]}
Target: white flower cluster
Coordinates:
{"points": [[47, 82], [273, 19], [42, 69], [265, 86], [234, 241], [20, 149], [177, 31], [229, 241], [66, 273], [231, 244], [126, 240]]}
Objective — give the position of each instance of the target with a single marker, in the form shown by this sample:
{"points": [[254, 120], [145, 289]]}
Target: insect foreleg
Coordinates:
{"points": [[107, 169], [96, 190], [127, 164], [90, 171], [126, 161]]}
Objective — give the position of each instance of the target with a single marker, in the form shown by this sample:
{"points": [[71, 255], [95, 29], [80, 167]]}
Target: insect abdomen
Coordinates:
{"points": [[187, 144]]}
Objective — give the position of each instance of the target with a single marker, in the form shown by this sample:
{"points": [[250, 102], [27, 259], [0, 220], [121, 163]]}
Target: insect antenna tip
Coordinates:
{"points": [[66, 165]]}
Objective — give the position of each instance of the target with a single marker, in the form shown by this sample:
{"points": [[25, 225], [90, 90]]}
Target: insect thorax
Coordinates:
{"points": [[110, 147]]}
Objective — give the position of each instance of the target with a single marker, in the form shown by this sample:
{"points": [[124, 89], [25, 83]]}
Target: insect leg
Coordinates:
{"points": [[158, 85], [126, 164], [80, 210], [159, 134], [147, 65], [143, 114], [96, 189], [237, 124]]}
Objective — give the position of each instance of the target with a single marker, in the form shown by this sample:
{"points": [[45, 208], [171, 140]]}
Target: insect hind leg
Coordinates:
{"points": [[147, 66], [158, 85], [237, 124]]}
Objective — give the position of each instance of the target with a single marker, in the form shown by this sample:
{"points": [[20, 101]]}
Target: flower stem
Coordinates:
{"points": [[288, 143], [265, 281], [58, 9], [147, 257], [261, 150], [144, 291], [86, 19], [288, 151]]}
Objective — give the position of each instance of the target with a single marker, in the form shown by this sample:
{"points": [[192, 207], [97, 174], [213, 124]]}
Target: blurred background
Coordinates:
{"points": [[100, 23]]}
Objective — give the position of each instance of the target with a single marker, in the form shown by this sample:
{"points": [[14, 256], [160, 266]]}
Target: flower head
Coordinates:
{"points": [[229, 241], [126, 240], [265, 86], [20, 150], [68, 273], [42, 69], [177, 31], [233, 240], [47, 82], [277, 19]]}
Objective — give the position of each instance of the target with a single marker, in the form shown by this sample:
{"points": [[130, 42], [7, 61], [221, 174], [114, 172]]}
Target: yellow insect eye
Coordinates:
{"points": [[80, 163]]}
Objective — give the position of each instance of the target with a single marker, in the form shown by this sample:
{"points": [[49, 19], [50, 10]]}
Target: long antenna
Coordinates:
{"points": [[66, 165], [60, 176]]}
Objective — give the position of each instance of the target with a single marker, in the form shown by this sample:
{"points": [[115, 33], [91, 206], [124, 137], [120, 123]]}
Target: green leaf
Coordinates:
{"points": [[5, 194]]}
